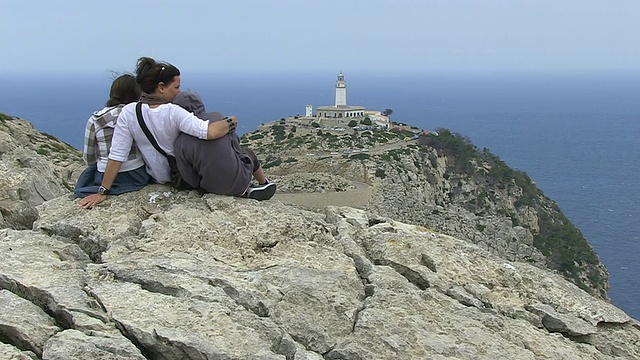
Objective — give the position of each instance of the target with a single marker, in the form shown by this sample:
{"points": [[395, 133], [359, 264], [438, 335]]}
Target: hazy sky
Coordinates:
{"points": [[347, 35]]}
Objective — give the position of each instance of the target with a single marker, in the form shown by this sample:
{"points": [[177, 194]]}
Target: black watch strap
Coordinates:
{"points": [[103, 190]]}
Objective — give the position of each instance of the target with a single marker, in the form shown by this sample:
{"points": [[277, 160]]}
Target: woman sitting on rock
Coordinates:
{"points": [[98, 136], [160, 83]]}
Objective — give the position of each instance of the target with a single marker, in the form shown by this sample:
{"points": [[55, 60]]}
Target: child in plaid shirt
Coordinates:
{"points": [[132, 175]]}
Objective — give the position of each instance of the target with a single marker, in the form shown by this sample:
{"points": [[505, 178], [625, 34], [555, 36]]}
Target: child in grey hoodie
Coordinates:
{"points": [[218, 166]]}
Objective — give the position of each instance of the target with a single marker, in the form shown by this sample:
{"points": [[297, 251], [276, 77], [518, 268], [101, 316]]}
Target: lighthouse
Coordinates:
{"points": [[341, 91], [340, 110]]}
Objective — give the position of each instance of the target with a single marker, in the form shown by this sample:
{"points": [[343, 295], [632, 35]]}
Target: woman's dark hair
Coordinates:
{"points": [[150, 73], [124, 90]]}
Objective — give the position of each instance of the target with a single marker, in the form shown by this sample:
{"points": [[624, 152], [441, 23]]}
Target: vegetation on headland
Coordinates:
{"points": [[563, 245]]}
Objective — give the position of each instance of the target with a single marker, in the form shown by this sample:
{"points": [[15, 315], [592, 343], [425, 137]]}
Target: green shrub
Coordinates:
{"points": [[456, 146], [294, 141], [278, 132], [273, 163], [564, 246], [400, 133], [359, 157]]}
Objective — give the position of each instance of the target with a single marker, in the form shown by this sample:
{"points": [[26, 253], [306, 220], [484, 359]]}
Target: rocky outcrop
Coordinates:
{"points": [[444, 183], [496, 214], [165, 274], [161, 274], [34, 167]]}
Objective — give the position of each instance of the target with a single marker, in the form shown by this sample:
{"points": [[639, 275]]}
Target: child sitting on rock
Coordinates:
{"points": [[218, 166]]}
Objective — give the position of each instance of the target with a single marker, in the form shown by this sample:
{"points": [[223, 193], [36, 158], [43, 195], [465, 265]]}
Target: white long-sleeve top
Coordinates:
{"points": [[165, 122]]}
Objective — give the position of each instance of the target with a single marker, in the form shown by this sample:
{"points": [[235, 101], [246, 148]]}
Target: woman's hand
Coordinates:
{"points": [[92, 200], [218, 129]]}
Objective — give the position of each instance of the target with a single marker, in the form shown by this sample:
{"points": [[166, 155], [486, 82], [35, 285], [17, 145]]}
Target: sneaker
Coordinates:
{"points": [[261, 192]]}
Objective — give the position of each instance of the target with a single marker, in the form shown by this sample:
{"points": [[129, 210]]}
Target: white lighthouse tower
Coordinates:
{"points": [[341, 91], [340, 110]]}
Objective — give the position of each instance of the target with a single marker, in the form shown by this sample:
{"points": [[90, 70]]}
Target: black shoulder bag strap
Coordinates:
{"points": [[146, 131], [176, 179]]}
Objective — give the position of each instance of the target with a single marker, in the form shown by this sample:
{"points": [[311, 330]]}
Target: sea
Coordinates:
{"points": [[576, 134]]}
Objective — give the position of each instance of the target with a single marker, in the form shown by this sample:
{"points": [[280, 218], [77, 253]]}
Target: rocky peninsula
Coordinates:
{"points": [[378, 245]]}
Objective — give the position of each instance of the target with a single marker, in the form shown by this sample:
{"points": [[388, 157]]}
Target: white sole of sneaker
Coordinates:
{"points": [[262, 192]]}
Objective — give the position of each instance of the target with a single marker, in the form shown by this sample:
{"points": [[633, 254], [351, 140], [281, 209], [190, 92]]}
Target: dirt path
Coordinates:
{"points": [[356, 198]]}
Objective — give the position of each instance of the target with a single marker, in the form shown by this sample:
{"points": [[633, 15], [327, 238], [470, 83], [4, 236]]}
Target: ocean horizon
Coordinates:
{"points": [[575, 134]]}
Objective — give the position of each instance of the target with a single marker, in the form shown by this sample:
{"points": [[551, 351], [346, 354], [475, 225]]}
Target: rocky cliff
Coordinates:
{"points": [[164, 274], [442, 182]]}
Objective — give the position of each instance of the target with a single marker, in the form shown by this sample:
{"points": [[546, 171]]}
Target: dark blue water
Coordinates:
{"points": [[576, 135]]}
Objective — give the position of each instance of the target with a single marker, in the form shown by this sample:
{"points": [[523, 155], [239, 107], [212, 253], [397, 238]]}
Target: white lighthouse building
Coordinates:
{"points": [[341, 91], [340, 109]]}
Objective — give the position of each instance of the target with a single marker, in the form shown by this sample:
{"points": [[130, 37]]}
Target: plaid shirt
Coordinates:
{"points": [[97, 140]]}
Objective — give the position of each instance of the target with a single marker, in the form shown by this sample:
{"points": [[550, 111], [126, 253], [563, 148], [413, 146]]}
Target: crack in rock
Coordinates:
{"points": [[42, 299], [463, 297], [427, 261], [11, 336], [246, 300], [91, 244], [569, 326], [152, 286], [363, 268], [147, 352], [292, 350], [411, 275]]}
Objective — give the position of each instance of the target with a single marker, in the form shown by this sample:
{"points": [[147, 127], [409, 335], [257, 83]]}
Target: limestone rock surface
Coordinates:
{"points": [[163, 274], [34, 167]]}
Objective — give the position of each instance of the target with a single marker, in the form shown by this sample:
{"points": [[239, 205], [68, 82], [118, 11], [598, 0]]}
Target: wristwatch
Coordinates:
{"points": [[103, 190]]}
